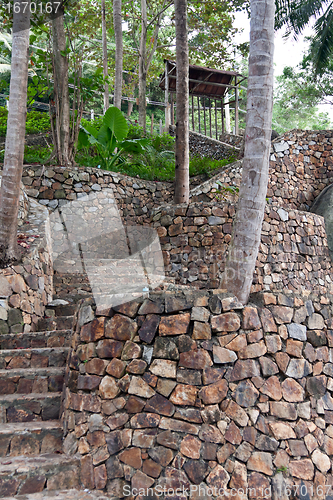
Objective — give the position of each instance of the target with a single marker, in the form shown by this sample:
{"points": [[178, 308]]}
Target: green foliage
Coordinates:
{"points": [[202, 165], [36, 122], [109, 140], [32, 154], [296, 98]]}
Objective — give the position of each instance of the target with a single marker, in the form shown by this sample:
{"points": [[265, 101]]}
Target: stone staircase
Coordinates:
{"points": [[32, 367]]}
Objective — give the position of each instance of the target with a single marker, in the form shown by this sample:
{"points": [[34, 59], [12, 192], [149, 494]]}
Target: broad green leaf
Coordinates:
{"points": [[116, 122]]}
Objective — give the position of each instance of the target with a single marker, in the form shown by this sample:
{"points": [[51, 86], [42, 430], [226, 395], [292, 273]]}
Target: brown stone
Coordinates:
{"points": [[149, 328], [212, 375], [196, 470], [225, 452], [237, 344], [174, 325], [236, 413], [282, 359], [258, 484], [297, 448], [273, 343], [251, 319], [100, 477], [134, 404], [143, 420], [281, 430], [108, 388], [190, 447], [267, 320], [88, 382], [184, 395], [116, 368], [159, 404], [283, 410], [163, 456], [245, 369], [294, 348], [302, 469], [144, 438], [189, 415], [118, 420], [261, 462], [222, 355], [272, 388], [253, 350], [91, 332], [282, 314], [108, 348], [151, 468], [132, 457], [96, 438], [201, 331], [87, 402], [292, 391], [218, 478], [226, 322], [121, 328], [249, 435], [141, 481], [238, 479], [131, 350], [140, 388], [316, 386], [164, 368], [210, 434], [136, 366], [151, 307], [32, 485], [233, 434], [169, 439], [214, 393], [197, 360], [178, 426], [165, 386], [96, 366], [174, 479], [24, 445], [87, 472]]}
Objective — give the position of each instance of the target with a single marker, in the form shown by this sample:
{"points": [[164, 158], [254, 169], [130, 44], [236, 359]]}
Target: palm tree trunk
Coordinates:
{"points": [[182, 189], [14, 147], [243, 249], [118, 81], [142, 66], [61, 94], [105, 59]]}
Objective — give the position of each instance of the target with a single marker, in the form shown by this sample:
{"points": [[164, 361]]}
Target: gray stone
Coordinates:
{"points": [[316, 322], [298, 368], [297, 331]]}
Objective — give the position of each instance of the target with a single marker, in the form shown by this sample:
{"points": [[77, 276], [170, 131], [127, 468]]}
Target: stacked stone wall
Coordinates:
{"points": [[26, 288], [192, 390], [301, 166], [293, 253]]}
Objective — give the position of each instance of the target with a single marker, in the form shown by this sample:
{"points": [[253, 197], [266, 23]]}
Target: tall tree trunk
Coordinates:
{"points": [[61, 127], [182, 189], [243, 249], [14, 147], [142, 66], [105, 59], [118, 31]]}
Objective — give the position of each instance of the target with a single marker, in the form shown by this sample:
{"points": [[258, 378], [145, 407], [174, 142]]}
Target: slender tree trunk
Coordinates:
{"points": [[118, 31], [182, 189], [142, 66], [105, 59], [243, 249], [61, 94], [14, 147]]}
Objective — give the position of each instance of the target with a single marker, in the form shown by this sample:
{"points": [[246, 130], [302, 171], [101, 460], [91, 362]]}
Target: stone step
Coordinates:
{"points": [[62, 495], [52, 338], [33, 357], [32, 380], [29, 407], [32, 474], [30, 438], [55, 323]]}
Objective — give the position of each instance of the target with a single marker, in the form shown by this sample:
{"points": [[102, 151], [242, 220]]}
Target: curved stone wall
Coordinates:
{"points": [[293, 253], [191, 394]]}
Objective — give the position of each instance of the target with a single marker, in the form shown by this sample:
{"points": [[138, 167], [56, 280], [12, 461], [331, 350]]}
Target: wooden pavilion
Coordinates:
{"points": [[213, 84]]}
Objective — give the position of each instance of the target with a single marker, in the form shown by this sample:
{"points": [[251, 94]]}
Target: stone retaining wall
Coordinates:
{"points": [[194, 390], [293, 253], [26, 288], [301, 166]]}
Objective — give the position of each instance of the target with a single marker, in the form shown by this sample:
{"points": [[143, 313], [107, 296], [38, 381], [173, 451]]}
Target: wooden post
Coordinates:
{"points": [[222, 114], [236, 108], [193, 123], [152, 124], [199, 114], [216, 135], [204, 100], [210, 117], [167, 106], [161, 127]]}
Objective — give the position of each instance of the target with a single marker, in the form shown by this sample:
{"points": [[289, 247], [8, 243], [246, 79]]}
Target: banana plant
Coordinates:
{"points": [[110, 140]]}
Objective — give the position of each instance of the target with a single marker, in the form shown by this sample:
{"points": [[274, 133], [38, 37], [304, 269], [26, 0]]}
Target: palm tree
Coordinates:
{"points": [[297, 14], [14, 147], [105, 59], [182, 90], [243, 249]]}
